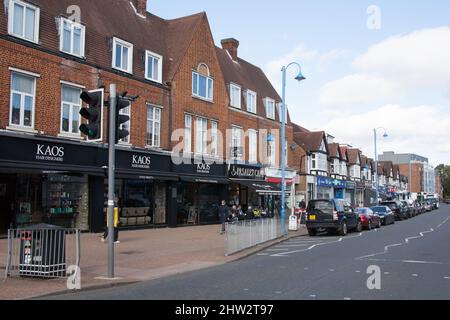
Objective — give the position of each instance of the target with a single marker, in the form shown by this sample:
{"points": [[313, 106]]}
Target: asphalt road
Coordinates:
{"points": [[413, 258]]}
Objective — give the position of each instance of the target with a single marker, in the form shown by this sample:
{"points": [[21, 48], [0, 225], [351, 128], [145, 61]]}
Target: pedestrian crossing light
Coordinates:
{"points": [[93, 114]]}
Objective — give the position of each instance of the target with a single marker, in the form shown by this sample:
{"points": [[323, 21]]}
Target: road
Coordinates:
{"points": [[413, 257]]}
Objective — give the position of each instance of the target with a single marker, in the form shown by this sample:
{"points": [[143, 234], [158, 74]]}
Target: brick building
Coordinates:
{"points": [[52, 50]]}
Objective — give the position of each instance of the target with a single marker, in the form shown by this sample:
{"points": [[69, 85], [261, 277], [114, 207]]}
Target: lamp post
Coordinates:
{"points": [[299, 78], [385, 135]]}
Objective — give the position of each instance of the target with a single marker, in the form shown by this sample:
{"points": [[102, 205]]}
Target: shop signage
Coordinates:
{"points": [[141, 162], [351, 185], [331, 183], [246, 172], [45, 152], [203, 168]]}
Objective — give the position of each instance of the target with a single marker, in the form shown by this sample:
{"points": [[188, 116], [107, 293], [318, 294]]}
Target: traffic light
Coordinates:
{"points": [[122, 103], [93, 114]]}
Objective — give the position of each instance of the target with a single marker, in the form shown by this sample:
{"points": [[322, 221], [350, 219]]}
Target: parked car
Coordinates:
{"points": [[386, 215], [428, 206], [434, 203], [397, 208], [420, 208], [368, 218], [447, 201], [332, 216], [409, 209]]}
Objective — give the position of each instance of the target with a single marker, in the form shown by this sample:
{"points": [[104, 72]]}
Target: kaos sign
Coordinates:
{"points": [[141, 162], [203, 168], [49, 153]]}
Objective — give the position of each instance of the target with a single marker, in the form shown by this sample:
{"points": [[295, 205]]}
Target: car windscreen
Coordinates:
{"points": [[391, 205], [361, 210], [378, 209]]}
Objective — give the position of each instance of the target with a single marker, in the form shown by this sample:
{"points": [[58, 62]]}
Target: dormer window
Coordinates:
{"points": [[153, 66], [122, 55], [202, 83], [251, 101], [72, 37], [23, 20], [270, 108]]}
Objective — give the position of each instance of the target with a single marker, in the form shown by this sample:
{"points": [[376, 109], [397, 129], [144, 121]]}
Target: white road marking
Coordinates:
{"points": [[332, 270], [357, 271], [306, 269], [447, 278], [420, 236], [277, 249], [246, 289], [415, 275], [278, 292], [386, 250], [445, 221], [262, 254], [312, 296], [347, 299], [410, 261]]}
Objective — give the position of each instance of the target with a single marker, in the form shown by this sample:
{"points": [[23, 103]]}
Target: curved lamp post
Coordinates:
{"points": [[385, 135], [299, 78]]}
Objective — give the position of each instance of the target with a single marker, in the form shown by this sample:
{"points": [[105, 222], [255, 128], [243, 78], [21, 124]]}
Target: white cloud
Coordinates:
{"points": [[423, 129], [404, 64]]}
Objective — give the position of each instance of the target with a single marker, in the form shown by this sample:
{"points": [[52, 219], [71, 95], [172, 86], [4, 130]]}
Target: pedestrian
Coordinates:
{"points": [[223, 215], [302, 205], [116, 225]]}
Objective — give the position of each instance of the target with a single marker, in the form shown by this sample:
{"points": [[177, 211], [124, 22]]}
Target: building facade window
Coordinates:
{"points": [[251, 101], [319, 161], [270, 108], [214, 139], [23, 96], [153, 126], [72, 37], [127, 125], [187, 134], [271, 153], [23, 20], [280, 112], [236, 143], [153, 66], [202, 83], [253, 146], [122, 55], [70, 110], [201, 136], [235, 96]]}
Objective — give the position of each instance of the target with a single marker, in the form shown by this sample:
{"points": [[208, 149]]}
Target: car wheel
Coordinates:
{"points": [[344, 230], [370, 225], [359, 227], [379, 224], [312, 232]]}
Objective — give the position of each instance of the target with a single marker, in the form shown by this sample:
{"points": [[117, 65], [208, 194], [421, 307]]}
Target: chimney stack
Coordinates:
{"points": [[141, 6], [231, 45]]}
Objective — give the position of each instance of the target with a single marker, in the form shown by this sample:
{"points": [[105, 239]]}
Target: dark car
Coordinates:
{"points": [[386, 215], [397, 208], [332, 216], [428, 206], [368, 218], [434, 203], [409, 209], [447, 201]]}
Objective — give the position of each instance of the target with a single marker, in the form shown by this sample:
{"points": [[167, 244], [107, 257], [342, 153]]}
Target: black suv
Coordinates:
{"points": [[400, 211], [332, 216]]}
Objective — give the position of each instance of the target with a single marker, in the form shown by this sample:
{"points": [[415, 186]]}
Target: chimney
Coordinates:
{"points": [[141, 6], [231, 45]]}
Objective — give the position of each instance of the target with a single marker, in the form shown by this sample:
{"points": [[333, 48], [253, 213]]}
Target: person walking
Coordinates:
{"points": [[223, 214]]}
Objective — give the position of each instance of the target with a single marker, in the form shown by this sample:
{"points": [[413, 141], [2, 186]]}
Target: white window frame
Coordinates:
{"points": [[252, 146], [154, 120], [187, 134], [233, 103], [126, 140], [22, 108], [280, 105], [201, 136], [149, 54], [271, 153], [11, 20], [73, 25], [116, 42], [251, 108], [236, 141], [71, 105], [270, 115], [214, 138], [196, 94]]}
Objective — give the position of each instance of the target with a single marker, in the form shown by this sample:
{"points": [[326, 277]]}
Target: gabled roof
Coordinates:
{"points": [[344, 153], [364, 161], [249, 77], [298, 128], [333, 149], [310, 141], [353, 156], [106, 19], [387, 167]]}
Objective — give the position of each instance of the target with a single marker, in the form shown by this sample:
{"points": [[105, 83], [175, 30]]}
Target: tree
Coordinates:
{"points": [[444, 173]]}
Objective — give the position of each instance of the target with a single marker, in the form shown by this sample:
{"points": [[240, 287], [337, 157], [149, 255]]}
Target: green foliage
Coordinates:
{"points": [[444, 172]]}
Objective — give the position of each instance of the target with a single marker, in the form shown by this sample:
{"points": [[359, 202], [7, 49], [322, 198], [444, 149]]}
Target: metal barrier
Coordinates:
{"points": [[42, 252], [241, 235]]}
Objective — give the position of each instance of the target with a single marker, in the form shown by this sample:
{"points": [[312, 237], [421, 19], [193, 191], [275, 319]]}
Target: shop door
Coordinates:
{"points": [[7, 188]]}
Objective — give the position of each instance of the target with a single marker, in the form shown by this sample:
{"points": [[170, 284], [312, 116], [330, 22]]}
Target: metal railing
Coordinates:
{"points": [[42, 252], [241, 235]]}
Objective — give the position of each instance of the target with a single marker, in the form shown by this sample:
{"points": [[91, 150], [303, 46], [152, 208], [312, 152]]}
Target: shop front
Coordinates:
{"points": [[274, 176], [196, 196], [359, 193], [43, 180], [324, 188], [350, 192], [339, 188], [370, 195]]}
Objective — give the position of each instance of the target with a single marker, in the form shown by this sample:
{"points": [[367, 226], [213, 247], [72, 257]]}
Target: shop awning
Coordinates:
{"points": [[200, 179], [263, 187]]}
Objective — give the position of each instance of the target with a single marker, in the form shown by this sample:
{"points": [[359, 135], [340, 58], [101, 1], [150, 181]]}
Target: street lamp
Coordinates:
{"points": [[299, 78], [385, 135]]}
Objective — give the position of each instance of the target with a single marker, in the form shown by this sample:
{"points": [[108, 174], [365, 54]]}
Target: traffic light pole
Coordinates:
{"points": [[111, 177]]}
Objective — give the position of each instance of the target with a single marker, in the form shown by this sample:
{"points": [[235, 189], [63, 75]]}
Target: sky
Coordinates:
{"points": [[368, 64]]}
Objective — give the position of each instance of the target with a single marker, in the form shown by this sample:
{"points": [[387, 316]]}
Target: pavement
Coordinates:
{"points": [[409, 260], [142, 255]]}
